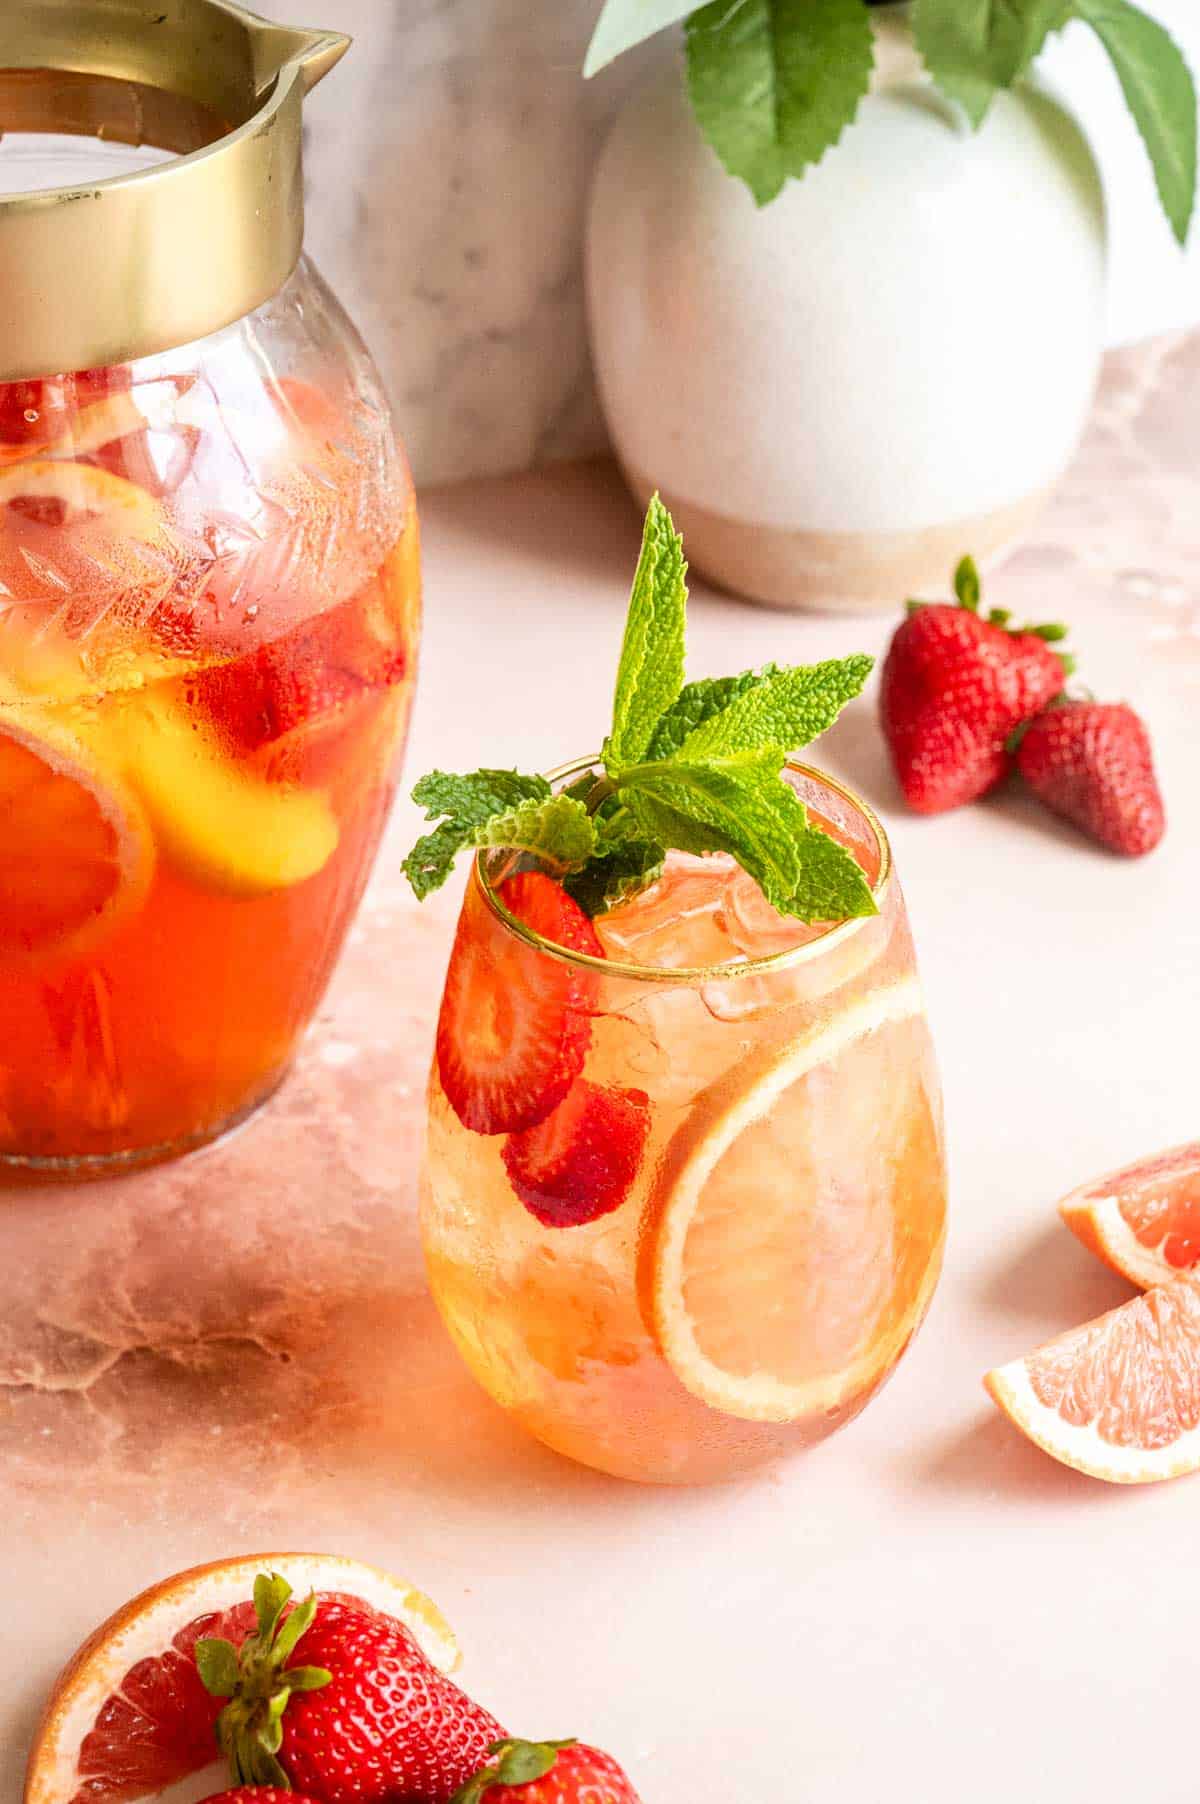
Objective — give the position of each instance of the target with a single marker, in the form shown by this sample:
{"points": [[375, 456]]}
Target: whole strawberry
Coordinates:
{"points": [[256, 1794], [1091, 762], [548, 1772], [366, 1717], [955, 687]]}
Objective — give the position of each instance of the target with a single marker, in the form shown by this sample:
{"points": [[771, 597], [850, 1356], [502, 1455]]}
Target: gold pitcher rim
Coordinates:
{"points": [[189, 244]]}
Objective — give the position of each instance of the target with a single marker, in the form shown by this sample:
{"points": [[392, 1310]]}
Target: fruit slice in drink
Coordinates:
{"points": [[1118, 1398], [1143, 1220], [129, 1716], [777, 1292]]}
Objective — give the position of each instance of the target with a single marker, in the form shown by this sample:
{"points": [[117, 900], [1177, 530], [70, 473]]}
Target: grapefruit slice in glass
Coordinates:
{"points": [[1144, 1220], [129, 1719], [794, 1236], [1118, 1398], [78, 850]]}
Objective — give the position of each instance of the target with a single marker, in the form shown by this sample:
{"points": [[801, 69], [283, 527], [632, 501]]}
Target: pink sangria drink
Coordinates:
{"points": [[684, 1204], [209, 613]]}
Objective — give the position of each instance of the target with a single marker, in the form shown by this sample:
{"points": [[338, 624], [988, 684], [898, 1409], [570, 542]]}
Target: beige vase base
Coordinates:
{"points": [[844, 572]]}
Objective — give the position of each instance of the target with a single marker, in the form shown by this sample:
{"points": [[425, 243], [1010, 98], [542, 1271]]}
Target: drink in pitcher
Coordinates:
{"points": [[209, 611]]}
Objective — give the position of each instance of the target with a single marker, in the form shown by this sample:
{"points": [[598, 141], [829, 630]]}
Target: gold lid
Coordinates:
{"points": [[110, 270]]}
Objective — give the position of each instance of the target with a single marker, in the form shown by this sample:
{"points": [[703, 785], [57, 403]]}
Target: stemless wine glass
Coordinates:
{"points": [[720, 1240], [209, 582]]}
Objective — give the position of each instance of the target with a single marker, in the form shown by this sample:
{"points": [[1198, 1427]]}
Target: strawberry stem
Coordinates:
{"points": [[967, 585], [257, 1684], [512, 1763]]}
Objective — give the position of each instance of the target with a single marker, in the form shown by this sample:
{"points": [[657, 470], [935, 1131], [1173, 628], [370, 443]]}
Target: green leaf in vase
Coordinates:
{"points": [[774, 83], [1160, 93], [624, 23], [973, 47]]}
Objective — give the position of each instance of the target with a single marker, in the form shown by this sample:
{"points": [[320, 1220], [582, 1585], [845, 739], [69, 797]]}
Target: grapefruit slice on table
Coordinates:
{"points": [[1144, 1220], [1118, 1398], [129, 1718], [78, 852], [794, 1236]]}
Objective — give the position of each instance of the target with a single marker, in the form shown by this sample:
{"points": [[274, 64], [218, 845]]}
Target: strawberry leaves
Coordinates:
{"points": [[696, 768], [257, 1684], [512, 1763]]}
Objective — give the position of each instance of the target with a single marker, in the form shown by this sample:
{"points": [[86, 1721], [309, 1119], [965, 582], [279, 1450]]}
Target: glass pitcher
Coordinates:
{"points": [[209, 581]]}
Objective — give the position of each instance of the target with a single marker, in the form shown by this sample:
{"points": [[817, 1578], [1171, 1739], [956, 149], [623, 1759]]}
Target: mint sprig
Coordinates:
{"points": [[774, 83], [650, 674], [695, 768]]}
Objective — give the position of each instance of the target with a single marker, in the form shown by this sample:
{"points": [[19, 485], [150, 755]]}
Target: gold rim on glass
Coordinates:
{"points": [[107, 271], [835, 935]]}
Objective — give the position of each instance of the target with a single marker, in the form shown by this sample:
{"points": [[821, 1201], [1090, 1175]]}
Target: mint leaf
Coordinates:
{"points": [[735, 807], [469, 802], [697, 703], [624, 23], [787, 710], [559, 831], [739, 805], [650, 674], [973, 47], [624, 863], [774, 83], [473, 797], [1161, 95], [831, 885]]}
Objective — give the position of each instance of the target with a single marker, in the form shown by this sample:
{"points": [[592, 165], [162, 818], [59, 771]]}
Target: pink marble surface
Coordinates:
{"points": [[237, 1353]]}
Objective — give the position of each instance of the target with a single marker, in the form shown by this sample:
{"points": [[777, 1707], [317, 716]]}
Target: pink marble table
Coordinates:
{"points": [[237, 1353]]}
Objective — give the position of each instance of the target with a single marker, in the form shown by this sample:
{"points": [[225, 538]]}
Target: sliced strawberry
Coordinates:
{"points": [[515, 1024], [318, 666], [581, 1161]]}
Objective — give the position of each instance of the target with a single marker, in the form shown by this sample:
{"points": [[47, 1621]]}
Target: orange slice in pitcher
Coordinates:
{"points": [[1144, 1220], [794, 1236], [1118, 1398], [78, 852], [129, 1718], [79, 492]]}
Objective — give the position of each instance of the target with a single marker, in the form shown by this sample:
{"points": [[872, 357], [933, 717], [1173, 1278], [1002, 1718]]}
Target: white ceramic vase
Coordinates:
{"points": [[891, 364]]}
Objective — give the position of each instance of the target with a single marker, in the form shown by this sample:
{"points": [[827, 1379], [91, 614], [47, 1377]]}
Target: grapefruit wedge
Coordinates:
{"points": [[1118, 1398], [1144, 1220], [78, 851], [129, 1719]]}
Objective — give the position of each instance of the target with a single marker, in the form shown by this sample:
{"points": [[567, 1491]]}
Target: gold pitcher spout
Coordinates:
{"points": [[184, 246], [316, 53]]}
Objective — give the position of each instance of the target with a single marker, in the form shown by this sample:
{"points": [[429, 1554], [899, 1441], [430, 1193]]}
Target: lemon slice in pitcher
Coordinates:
{"points": [[227, 828]]}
